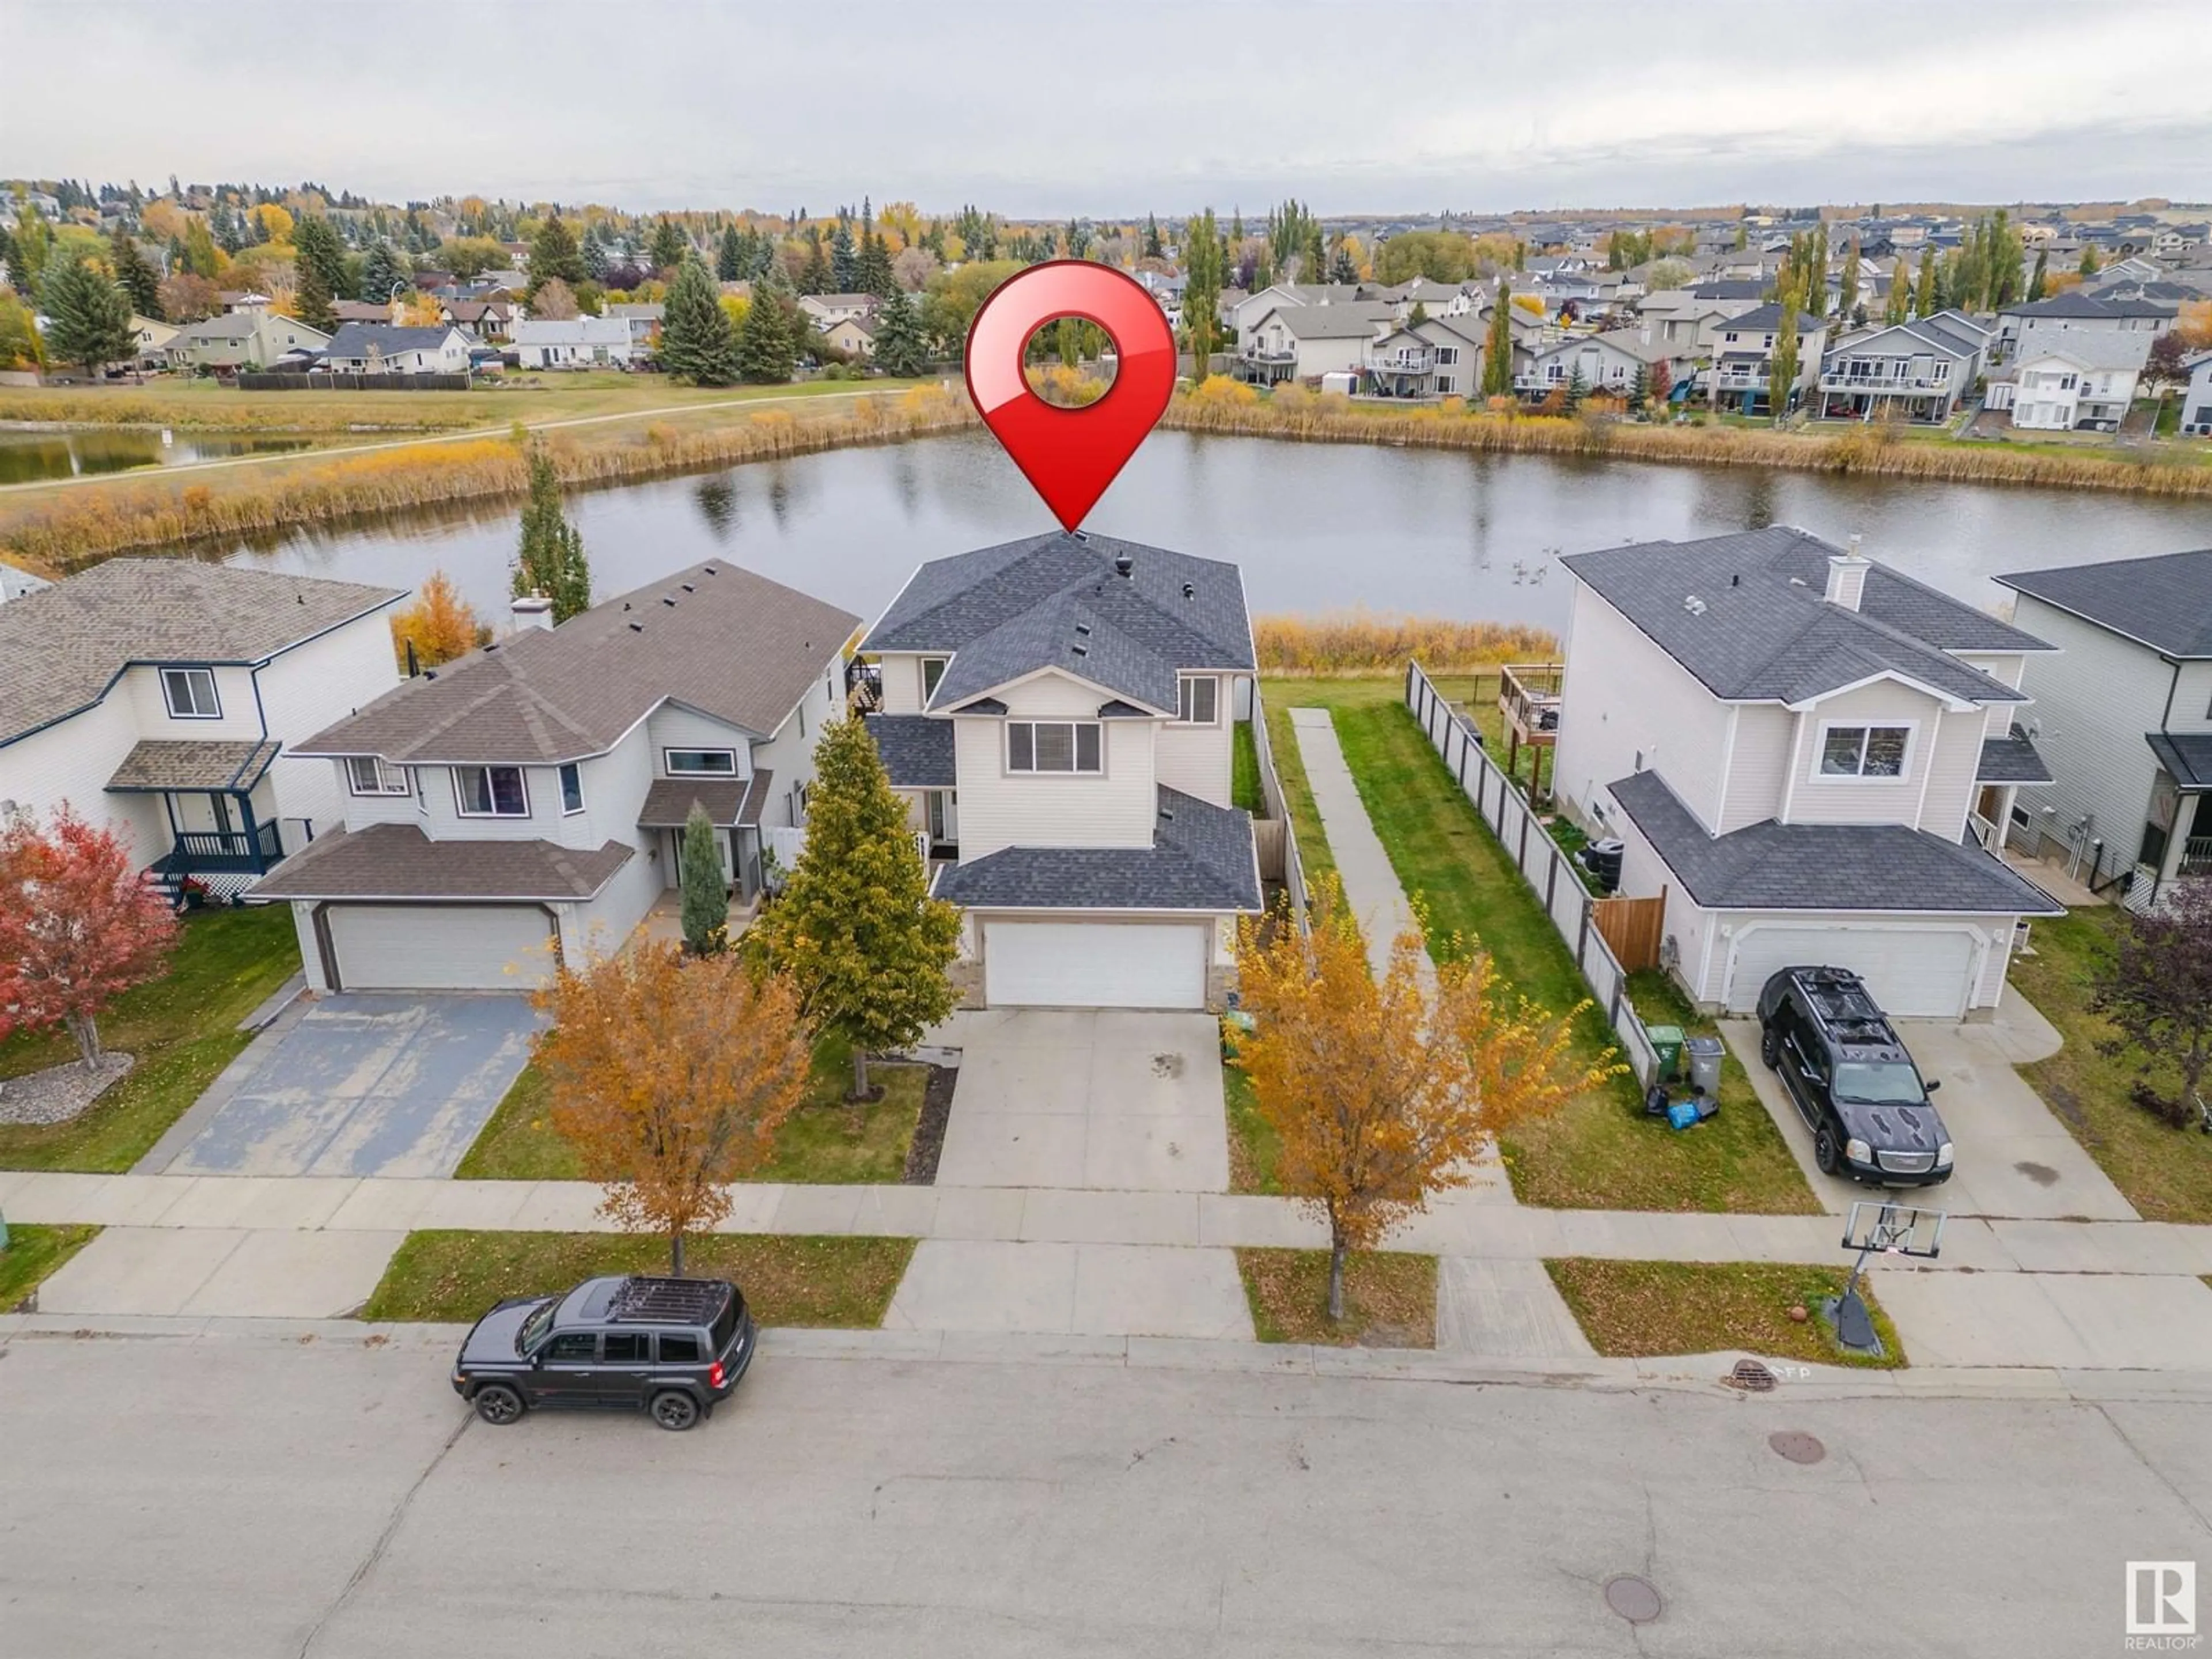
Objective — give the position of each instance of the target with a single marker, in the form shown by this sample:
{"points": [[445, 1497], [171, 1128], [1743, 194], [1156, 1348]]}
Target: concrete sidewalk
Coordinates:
{"points": [[1371, 884]]}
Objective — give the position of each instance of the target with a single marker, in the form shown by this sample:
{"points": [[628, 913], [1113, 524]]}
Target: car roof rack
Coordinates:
{"points": [[1840, 998], [672, 1301]]}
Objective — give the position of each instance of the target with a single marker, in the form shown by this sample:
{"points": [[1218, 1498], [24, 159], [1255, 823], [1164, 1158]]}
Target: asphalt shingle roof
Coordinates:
{"points": [[1823, 867], [1761, 630], [2188, 758], [398, 861], [2164, 601], [2012, 758], [2086, 307], [1201, 858], [157, 765], [61, 646], [728, 801], [917, 750], [368, 339]]}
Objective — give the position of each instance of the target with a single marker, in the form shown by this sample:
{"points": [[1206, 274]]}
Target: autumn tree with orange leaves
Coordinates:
{"points": [[1383, 1092], [670, 1075], [441, 624]]}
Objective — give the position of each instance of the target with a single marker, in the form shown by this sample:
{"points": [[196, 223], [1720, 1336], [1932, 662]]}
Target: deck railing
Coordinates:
{"points": [[223, 851]]}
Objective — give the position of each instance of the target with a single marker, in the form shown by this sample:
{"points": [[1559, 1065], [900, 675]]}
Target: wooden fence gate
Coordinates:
{"points": [[1632, 926]]}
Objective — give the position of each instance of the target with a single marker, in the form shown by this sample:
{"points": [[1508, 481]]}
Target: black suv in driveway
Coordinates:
{"points": [[1853, 1082], [672, 1346]]}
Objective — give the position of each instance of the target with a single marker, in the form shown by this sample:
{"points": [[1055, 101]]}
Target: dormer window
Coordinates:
{"points": [[932, 670], [1198, 699], [190, 694]]}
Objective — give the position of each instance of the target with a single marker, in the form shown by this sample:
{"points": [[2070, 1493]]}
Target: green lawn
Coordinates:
{"points": [[183, 1028], [31, 1254], [452, 1277], [1634, 1309], [1244, 779], [1389, 1298], [824, 1141], [1600, 1152], [1253, 1145], [2165, 1172], [1314, 854]]}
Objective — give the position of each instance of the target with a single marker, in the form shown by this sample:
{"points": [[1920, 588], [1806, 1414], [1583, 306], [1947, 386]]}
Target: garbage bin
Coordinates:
{"points": [[1668, 1040], [1704, 1054]]}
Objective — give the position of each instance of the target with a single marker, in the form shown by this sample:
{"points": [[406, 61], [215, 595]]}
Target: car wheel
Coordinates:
{"points": [[1769, 1049], [1825, 1152], [498, 1405], [675, 1410]]}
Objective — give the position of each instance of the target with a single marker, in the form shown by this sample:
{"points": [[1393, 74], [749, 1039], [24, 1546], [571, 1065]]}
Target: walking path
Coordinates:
{"points": [[1370, 885]]}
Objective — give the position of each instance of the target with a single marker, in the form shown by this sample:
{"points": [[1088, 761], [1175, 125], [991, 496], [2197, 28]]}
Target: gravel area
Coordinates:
{"points": [[60, 1092]]}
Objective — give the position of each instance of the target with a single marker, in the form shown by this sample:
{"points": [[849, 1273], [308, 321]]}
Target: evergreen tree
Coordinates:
{"points": [[1153, 249], [706, 899], [598, 254], [321, 252], [1577, 389], [385, 269], [695, 330], [312, 299], [1639, 389], [902, 348], [1341, 267], [669, 245], [766, 348], [820, 274], [844, 263], [2039, 283], [1498, 347], [550, 559], [88, 315], [135, 274], [554, 256], [1782, 368], [730, 255], [1202, 292], [871, 269]]}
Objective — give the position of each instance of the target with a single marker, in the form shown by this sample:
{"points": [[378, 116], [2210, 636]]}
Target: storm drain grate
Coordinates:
{"points": [[1797, 1446], [1751, 1375], [1636, 1600]]}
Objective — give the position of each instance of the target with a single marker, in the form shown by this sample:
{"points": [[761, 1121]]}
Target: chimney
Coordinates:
{"points": [[1846, 577], [532, 610]]}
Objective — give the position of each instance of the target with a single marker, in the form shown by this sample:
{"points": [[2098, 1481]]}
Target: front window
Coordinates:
{"points": [[490, 792], [572, 788], [700, 762], [1864, 751], [190, 693], [1052, 745], [1879, 1083], [368, 775], [1197, 700]]}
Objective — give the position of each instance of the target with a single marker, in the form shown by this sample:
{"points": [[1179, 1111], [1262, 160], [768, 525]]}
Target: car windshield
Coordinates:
{"points": [[534, 1327], [1884, 1083]]}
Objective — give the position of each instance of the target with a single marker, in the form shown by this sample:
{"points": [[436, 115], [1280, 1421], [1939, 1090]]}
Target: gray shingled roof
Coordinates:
{"points": [[398, 861], [1201, 858], [1823, 867], [156, 765], [1341, 319], [2164, 602], [62, 646], [1763, 632], [1053, 601], [728, 801], [733, 645], [2188, 758], [366, 339], [2087, 307], [1768, 316], [917, 750], [2012, 758]]}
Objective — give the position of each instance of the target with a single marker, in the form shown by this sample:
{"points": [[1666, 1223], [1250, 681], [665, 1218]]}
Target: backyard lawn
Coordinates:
{"points": [[2166, 1173], [1634, 1309], [1600, 1151], [184, 1029]]}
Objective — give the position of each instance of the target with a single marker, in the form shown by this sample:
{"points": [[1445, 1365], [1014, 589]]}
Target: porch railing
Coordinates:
{"points": [[224, 851], [2196, 856]]}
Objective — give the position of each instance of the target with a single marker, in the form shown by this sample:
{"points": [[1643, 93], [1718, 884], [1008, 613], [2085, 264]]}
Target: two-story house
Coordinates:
{"points": [[1440, 356], [1611, 363], [2042, 322], [1305, 342], [1061, 712], [250, 338], [1743, 359], [1916, 371], [2196, 396], [2124, 717], [526, 804], [1809, 756], [166, 697], [2060, 383]]}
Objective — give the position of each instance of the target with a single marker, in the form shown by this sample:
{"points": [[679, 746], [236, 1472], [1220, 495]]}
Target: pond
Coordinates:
{"points": [[31, 456], [1315, 526]]}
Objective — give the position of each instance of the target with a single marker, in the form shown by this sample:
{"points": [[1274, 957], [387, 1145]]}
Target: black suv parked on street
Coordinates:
{"points": [[672, 1346], [1855, 1085]]}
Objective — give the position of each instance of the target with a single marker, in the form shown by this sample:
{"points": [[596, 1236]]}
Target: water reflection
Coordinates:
{"points": [[33, 456], [718, 505]]}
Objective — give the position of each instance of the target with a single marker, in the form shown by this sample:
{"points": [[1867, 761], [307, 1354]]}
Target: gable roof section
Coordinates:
{"points": [[1055, 601], [1201, 858], [398, 861], [62, 647], [715, 638], [1768, 635], [1769, 316], [1341, 319], [2086, 348], [916, 751], [2088, 307], [366, 339], [2164, 602]]}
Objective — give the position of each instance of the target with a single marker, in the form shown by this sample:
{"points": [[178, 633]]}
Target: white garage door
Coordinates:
{"points": [[440, 947], [1913, 973], [1050, 965]]}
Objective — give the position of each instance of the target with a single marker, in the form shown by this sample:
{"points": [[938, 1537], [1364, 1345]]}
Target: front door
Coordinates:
{"points": [[944, 817], [219, 807]]}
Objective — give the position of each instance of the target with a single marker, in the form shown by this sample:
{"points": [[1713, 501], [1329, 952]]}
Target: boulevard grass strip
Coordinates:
{"points": [[824, 1142], [1254, 1148], [1389, 1298], [33, 1254], [2165, 1172], [1642, 1309], [1599, 1151], [453, 1277], [183, 1028]]}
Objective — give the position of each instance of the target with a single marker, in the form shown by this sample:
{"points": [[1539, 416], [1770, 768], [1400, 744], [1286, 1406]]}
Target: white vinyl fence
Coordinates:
{"points": [[1546, 868]]}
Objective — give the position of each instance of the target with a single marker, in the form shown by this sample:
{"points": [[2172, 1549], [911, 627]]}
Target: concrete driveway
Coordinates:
{"points": [[2014, 1159], [1125, 1101], [357, 1085]]}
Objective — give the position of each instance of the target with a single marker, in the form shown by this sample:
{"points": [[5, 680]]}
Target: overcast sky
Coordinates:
{"points": [[1051, 107]]}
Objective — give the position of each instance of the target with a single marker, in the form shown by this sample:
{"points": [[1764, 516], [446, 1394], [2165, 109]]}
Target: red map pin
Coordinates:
{"points": [[1070, 455]]}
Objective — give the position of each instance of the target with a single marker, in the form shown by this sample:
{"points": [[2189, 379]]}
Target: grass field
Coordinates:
{"points": [[1389, 1298], [1635, 1309], [32, 1253]]}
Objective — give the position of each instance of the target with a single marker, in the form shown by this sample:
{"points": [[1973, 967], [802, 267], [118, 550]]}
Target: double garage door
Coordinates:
{"points": [[1053, 965], [1913, 973], [440, 947]]}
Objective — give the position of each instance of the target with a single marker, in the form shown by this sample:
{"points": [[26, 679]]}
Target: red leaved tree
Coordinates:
{"points": [[78, 926]]}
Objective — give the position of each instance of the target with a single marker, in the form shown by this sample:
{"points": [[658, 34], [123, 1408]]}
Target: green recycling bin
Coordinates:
{"points": [[1668, 1040]]}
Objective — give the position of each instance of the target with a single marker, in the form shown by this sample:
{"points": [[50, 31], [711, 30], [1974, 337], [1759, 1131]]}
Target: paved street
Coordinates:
{"points": [[333, 1501]]}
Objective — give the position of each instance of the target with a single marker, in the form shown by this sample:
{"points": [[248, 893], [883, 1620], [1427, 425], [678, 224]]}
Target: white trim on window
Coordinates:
{"points": [[190, 680], [1025, 757], [1865, 728], [571, 776], [929, 681], [384, 780], [521, 783], [670, 768], [1187, 698]]}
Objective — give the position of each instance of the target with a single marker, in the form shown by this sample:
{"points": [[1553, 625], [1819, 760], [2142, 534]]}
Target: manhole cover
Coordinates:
{"points": [[1634, 1599], [1751, 1375], [1797, 1446]]}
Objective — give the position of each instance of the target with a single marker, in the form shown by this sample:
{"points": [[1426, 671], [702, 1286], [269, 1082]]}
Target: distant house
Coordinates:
{"points": [[2084, 381], [644, 322], [830, 309], [1918, 371], [574, 343], [2020, 327], [251, 339], [1440, 356], [2196, 397], [1248, 311], [480, 319], [237, 299], [1608, 363], [382, 349], [1743, 359], [363, 311], [1304, 341], [853, 336], [152, 336]]}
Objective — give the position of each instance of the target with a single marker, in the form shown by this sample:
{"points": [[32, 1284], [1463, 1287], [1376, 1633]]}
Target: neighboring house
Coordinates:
{"points": [[2196, 396], [2063, 383], [853, 336], [383, 349], [2062, 318], [534, 793], [482, 319], [364, 310], [1919, 370], [1743, 359], [829, 309], [1810, 756], [1247, 311], [153, 337], [165, 697], [1060, 713], [1608, 364], [252, 338], [575, 343], [2125, 716], [1305, 342], [234, 298], [1439, 357], [1682, 322], [644, 322]]}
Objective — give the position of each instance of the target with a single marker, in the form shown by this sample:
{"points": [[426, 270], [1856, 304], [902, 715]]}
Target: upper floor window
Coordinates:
{"points": [[932, 670], [190, 693], [572, 788], [699, 763], [1864, 751], [368, 775], [1052, 747], [490, 792], [1197, 699]]}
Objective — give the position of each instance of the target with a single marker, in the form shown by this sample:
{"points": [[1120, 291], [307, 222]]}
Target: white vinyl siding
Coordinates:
{"points": [[1113, 807], [1094, 965], [1758, 766], [669, 726], [1817, 797], [1625, 697], [451, 947], [310, 687], [1197, 759]]}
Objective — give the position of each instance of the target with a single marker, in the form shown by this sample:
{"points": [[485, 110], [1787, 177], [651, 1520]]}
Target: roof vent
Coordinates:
{"points": [[637, 627], [1188, 591], [689, 588], [429, 673], [1123, 564], [1080, 650], [1694, 605], [1735, 581], [1083, 629], [711, 571], [668, 599]]}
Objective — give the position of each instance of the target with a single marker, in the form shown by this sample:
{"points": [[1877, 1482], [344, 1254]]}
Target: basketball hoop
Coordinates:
{"points": [[1890, 1230]]}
